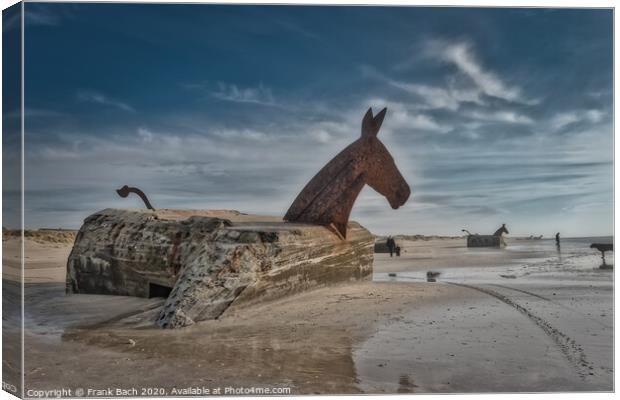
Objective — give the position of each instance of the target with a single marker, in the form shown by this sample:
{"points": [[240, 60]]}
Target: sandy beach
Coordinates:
{"points": [[199, 198], [523, 318]]}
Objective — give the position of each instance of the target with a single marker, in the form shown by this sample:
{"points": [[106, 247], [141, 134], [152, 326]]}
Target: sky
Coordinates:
{"points": [[494, 115]]}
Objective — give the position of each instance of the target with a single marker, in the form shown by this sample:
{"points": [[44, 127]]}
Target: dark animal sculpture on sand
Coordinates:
{"points": [[603, 247], [328, 198], [501, 231], [125, 190], [494, 240], [499, 234]]}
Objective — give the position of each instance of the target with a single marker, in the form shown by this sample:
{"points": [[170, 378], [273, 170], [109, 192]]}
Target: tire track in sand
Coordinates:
{"points": [[524, 291], [572, 351], [554, 303]]}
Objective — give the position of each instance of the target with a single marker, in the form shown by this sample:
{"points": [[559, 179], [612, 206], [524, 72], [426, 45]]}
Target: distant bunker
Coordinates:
{"points": [[483, 241], [203, 261]]}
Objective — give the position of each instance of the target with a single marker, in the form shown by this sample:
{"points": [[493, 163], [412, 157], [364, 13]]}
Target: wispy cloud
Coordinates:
{"points": [[433, 97], [245, 133], [436, 97], [405, 117], [564, 119], [464, 105], [260, 94], [461, 55], [231, 92], [99, 98], [145, 134], [509, 117]]}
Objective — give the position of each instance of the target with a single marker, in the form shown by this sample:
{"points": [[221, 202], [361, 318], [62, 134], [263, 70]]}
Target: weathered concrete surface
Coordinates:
{"points": [[483, 241], [209, 259]]}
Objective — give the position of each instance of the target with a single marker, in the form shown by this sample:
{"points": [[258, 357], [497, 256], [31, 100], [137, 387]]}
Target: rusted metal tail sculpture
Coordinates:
{"points": [[328, 198], [125, 190]]}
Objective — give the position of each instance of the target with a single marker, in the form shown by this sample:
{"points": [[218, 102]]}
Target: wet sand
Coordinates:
{"points": [[531, 320], [495, 320]]}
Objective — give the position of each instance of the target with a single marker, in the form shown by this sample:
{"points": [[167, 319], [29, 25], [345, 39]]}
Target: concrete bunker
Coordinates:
{"points": [[157, 290], [204, 261]]}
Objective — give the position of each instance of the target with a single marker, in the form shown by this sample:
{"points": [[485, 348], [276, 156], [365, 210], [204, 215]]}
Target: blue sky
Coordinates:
{"points": [[494, 115]]}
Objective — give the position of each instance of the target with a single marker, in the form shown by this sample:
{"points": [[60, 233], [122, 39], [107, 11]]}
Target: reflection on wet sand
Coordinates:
{"points": [[405, 385]]}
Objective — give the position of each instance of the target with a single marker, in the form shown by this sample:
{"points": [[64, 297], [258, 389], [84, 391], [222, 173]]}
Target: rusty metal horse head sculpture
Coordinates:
{"points": [[328, 198]]}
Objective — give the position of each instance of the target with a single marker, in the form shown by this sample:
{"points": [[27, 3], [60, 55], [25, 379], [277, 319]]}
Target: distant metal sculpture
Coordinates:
{"points": [[502, 229], [603, 247], [125, 190], [494, 240], [500, 233], [328, 198]]}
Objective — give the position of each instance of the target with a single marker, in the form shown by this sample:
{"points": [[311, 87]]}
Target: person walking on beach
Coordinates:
{"points": [[391, 244], [557, 246]]}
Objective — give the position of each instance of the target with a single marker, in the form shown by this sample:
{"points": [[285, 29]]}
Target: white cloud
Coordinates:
{"points": [[145, 134], [231, 92], [594, 115], [561, 120], [99, 98], [461, 55], [321, 135], [434, 97], [245, 133], [464, 93], [403, 117], [510, 117], [56, 154], [564, 119]]}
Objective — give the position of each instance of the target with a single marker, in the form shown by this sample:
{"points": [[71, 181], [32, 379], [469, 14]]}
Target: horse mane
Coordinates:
{"points": [[319, 183], [502, 229]]}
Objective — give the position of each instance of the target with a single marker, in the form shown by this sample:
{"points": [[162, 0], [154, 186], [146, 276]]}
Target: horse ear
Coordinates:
{"points": [[379, 119], [370, 124]]}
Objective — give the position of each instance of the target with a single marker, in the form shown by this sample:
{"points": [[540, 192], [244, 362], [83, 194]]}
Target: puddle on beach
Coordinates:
{"points": [[567, 266], [49, 312]]}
